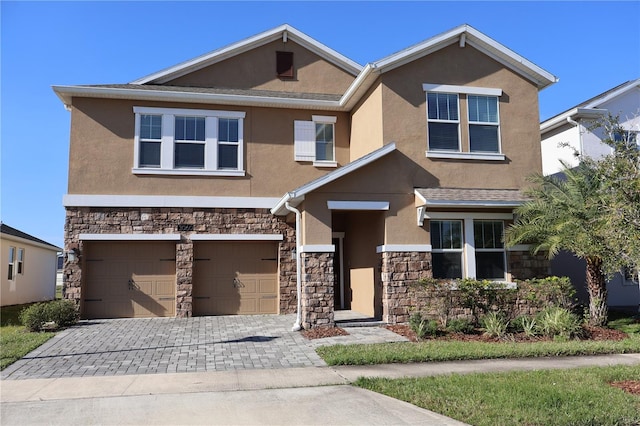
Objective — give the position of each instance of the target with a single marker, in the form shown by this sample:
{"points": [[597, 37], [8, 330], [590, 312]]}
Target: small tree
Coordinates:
{"points": [[565, 214]]}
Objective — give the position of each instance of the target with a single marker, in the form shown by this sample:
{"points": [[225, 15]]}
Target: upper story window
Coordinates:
{"points": [[20, 265], [11, 264], [315, 141], [188, 142], [463, 122]]}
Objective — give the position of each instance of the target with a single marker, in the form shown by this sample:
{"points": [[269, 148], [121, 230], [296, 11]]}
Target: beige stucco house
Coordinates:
{"points": [[28, 268], [275, 175]]}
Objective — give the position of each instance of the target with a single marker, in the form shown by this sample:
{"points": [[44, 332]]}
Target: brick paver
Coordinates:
{"points": [[173, 345]]}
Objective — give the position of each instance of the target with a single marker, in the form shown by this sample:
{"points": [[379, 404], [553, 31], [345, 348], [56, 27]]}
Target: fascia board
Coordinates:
{"points": [[359, 86], [297, 195], [610, 96], [574, 114], [249, 44], [66, 93], [27, 242], [464, 204]]}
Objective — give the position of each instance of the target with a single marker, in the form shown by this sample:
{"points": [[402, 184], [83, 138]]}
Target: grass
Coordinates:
{"points": [[439, 350], [15, 341], [548, 397], [436, 350]]}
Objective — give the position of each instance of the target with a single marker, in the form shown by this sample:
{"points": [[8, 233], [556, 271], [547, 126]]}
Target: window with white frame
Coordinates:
{"points": [[463, 122], [467, 247], [188, 141], [315, 140], [20, 265], [12, 259], [489, 249], [447, 248]]}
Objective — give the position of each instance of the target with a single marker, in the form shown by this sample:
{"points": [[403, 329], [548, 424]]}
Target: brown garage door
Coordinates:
{"points": [[129, 279], [235, 278]]}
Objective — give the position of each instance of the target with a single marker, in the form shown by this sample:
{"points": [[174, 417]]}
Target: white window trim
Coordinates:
{"points": [[464, 155], [437, 120], [236, 237], [20, 261], [325, 119], [11, 268], [168, 142], [468, 248], [485, 123]]}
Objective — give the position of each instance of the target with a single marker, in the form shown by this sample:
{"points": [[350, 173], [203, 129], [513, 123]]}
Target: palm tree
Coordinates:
{"points": [[566, 213]]}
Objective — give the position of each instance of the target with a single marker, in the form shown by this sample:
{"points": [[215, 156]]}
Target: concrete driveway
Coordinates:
{"points": [[173, 345]]}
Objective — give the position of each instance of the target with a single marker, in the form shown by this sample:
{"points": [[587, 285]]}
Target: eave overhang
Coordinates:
{"points": [[575, 114]]}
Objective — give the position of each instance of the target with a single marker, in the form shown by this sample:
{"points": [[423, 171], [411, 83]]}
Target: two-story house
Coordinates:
{"points": [[575, 131], [275, 175]]}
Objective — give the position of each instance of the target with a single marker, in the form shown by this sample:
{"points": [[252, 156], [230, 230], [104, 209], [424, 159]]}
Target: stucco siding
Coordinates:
{"points": [[367, 125], [553, 152], [36, 283], [102, 152], [256, 69]]}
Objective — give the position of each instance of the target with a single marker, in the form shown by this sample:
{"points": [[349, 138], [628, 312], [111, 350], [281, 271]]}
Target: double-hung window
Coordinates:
{"points": [[467, 247], [20, 266], [463, 122], [447, 248], [315, 141], [188, 142], [12, 262], [489, 249]]}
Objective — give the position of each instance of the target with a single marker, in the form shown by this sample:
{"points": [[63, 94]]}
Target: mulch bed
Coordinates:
{"points": [[589, 333], [631, 386], [322, 332]]}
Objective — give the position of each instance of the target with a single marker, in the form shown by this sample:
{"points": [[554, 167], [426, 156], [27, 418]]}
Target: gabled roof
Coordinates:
{"points": [[296, 196], [144, 89], [13, 232], [590, 108], [466, 34], [282, 32]]}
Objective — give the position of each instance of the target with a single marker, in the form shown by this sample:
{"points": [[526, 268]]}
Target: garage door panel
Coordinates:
{"points": [[232, 277], [131, 279]]}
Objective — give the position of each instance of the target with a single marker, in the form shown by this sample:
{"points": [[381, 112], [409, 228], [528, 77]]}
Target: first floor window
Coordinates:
{"points": [[20, 265], [468, 249], [489, 249], [188, 141], [12, 260], [447, 244]]}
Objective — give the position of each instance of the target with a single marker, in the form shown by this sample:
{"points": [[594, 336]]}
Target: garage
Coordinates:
{"points": [[235, 277], [129, 279]]}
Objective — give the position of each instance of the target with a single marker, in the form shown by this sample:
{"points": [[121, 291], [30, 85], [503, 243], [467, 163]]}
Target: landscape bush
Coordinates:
{"points": [[558, 322], [54, 314], [423, 326], [495, 324]]}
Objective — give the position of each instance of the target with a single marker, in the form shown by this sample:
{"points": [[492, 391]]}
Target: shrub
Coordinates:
{"points": [[525, 324], [555, 321], [423, 326], [62, 313], [460, 325], [494, 324]]}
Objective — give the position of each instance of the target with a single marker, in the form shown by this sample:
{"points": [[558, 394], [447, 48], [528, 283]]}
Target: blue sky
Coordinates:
{"points": [[591, 46]]}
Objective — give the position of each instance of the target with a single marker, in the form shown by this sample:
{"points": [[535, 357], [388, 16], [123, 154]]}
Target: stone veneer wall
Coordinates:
{"points": [[399, 269], [93, 220], [523, 265], [317, 290]]}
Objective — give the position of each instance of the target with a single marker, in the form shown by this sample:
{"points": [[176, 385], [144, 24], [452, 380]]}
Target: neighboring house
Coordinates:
{"points": [[28, 268], [572, 132], [277, 176]]}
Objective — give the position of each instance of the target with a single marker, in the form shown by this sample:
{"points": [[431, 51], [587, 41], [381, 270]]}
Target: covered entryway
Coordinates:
{"points": [[129, 279], [235, 277]]}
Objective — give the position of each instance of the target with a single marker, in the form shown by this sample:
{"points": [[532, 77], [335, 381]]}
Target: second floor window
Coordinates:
{"points": [[463, 122], [315, 141], [184, 141]]}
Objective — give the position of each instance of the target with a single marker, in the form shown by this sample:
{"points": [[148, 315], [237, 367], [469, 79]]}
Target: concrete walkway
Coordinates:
{"points": [[309, 395]]}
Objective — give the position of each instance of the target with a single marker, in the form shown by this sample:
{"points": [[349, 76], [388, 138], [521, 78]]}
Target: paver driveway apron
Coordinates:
{"points": [[170, 345], [162, 345]]}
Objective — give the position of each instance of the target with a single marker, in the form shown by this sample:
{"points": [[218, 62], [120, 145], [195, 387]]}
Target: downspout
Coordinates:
{"points": [[575, 123], [297, 326]]}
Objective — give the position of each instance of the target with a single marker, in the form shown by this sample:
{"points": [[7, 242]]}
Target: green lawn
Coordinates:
{"points": [[550, 397], [15, 341]]}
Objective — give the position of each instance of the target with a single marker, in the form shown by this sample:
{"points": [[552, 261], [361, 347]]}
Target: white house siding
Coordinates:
{"points": [[552, 152], [38, 279]]}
